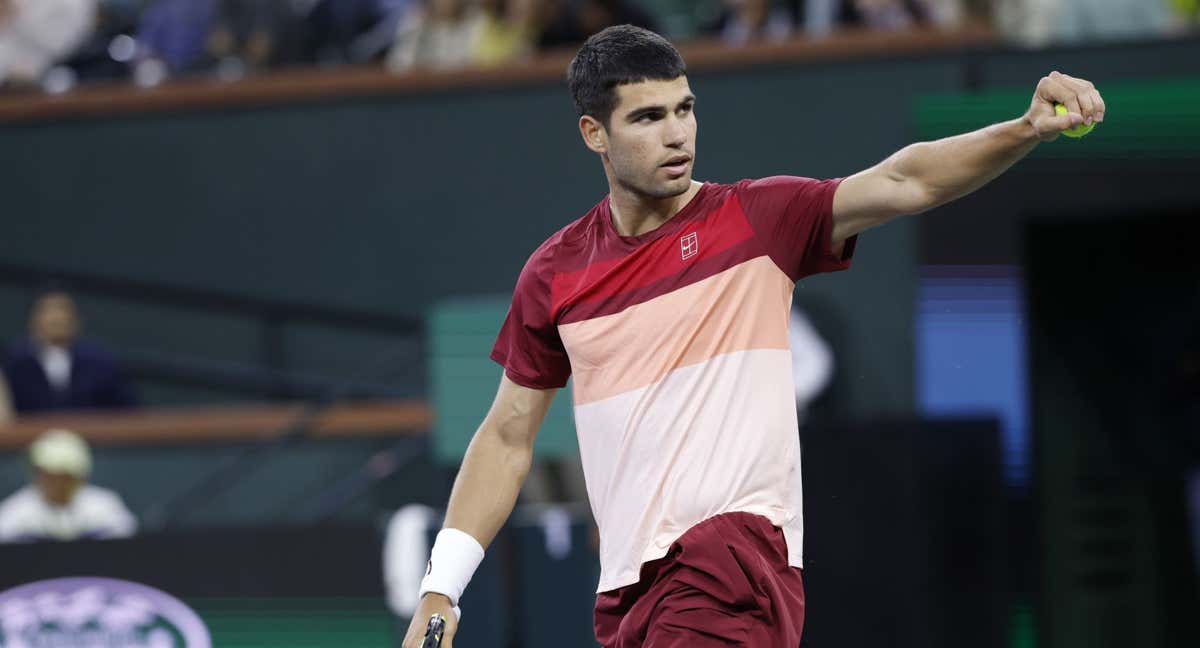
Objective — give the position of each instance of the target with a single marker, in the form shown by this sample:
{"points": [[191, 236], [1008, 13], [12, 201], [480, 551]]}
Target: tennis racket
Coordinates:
{"points": [[434, 631]]}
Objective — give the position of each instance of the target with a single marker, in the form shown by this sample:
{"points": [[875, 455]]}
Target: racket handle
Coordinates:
{"points": [[434, 631]]}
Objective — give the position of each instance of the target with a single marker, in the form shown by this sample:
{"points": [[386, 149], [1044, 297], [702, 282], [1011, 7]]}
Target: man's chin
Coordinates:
{"points": [[673, 188], [661, 190]]}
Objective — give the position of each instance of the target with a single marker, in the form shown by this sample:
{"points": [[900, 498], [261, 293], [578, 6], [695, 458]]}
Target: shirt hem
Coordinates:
{"points": [[790, 531]]}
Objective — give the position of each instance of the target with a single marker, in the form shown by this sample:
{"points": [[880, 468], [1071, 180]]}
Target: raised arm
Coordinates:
{"points": [[927, 174], [484, 493]]}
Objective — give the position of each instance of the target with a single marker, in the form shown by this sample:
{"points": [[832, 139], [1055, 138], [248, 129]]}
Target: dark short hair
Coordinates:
{"points": [[616, 56], [46, 288]]}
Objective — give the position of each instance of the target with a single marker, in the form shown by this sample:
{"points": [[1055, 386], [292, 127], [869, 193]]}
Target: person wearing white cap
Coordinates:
{"points": [[60, 504]]}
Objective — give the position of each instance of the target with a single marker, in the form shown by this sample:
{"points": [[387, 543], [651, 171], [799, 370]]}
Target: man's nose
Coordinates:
{"points": [[676, 132]]}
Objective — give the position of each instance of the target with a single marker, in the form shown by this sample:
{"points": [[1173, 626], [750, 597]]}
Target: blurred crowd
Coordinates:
{"points": [[55, 44]]}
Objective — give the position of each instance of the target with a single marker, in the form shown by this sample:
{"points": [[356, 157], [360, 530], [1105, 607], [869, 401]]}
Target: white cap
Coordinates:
{"points": [[61, 451]]}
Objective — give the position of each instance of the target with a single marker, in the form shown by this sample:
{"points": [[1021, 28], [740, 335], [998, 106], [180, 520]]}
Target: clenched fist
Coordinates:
{"points": [[1084, 105], [431, 604]]}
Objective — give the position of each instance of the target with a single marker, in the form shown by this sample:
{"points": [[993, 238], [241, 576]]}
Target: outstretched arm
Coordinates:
{"points": [[927, 174]]}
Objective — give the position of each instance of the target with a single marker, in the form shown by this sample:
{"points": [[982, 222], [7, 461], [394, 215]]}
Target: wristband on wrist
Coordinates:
{"points": [[452, 562]]}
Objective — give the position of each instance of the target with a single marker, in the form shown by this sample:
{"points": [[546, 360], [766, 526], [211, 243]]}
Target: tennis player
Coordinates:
{"points": [[668, 302]]}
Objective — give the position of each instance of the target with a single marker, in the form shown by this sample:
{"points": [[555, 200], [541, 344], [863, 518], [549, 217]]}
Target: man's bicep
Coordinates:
{"points": [[518, 411], [869, 198]]}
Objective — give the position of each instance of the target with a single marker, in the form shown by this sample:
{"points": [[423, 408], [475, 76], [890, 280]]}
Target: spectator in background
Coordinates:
{"points": [[1037, 23], [351, 31], [437, 34], [243, 35], [570, 24], [889, 15], [509, 31], [173, 37], [747, 21], [36, 34], [109, 48], [53, 369], [819, 17], [59, 504], [1187, 12]]}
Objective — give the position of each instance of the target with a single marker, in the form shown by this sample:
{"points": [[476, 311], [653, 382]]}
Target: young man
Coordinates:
{"points": [[668, 302]]}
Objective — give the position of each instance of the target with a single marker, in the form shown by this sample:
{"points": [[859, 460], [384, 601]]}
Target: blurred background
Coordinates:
{"points": [[254, 254]]}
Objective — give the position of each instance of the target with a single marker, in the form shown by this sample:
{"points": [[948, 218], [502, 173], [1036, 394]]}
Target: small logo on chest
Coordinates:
{"points": [[689, 245]]}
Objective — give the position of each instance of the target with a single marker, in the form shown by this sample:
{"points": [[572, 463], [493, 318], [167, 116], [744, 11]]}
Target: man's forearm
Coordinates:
{"points": [[487, 485], [950, 168]]}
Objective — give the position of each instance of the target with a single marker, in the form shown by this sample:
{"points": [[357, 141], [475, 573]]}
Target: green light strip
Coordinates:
{"points": [[1143, 120], [297, 623], [1022, 629]]}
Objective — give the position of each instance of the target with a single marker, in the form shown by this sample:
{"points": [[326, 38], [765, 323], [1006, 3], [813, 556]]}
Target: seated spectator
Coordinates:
{"points": [[437, 34], [173, 35], [1036, 23], [748, 21], [231, 36], [890, 15], [819, 17], [53, 369], [570, 24], [351, 31], [1187, 12], [96, 57], [509, 31], [36, 34], [59, 504], [243, 35]]}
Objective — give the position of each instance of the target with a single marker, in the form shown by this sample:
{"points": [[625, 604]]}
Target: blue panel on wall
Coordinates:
{"points": [[971, 352]]}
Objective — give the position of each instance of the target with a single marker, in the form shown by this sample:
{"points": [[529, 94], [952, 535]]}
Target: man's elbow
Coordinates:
{"points": [[514, 442]]}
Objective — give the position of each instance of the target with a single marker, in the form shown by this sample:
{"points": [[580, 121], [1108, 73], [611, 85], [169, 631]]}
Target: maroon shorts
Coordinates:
{"points": [[726, 581]]}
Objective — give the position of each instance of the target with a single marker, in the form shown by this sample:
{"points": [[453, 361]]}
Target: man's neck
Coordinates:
{"points": [[634, 215]]}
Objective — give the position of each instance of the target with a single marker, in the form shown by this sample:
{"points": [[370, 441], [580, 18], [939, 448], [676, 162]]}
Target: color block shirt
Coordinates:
{"points": [[678, 342]]}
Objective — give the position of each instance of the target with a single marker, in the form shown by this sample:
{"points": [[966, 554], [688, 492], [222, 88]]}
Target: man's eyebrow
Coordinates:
{"points": [[636, 113]]}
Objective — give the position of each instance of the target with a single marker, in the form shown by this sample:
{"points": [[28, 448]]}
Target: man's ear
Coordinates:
{"points": [[595, 136]]}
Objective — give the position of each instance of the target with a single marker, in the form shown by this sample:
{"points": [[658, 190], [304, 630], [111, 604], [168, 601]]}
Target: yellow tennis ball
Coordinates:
{"points": [[1078, 131]]}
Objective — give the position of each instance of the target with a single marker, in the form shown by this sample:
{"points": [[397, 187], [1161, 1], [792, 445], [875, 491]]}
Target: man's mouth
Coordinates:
{"points": [[677, 165]]}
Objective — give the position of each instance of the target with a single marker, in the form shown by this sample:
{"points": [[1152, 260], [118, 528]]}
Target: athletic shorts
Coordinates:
{"points": [[726, 581]]}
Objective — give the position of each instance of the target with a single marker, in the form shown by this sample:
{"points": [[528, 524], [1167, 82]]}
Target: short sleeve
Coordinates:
{"points": [[794, 218], [528, 346]]}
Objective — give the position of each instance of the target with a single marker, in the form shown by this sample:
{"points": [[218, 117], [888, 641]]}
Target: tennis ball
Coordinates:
{"points": [[1078, 131]]}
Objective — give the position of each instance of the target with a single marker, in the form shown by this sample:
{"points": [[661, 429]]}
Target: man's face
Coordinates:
{"points": [[57, 488], [54, 321], [652, 137]]}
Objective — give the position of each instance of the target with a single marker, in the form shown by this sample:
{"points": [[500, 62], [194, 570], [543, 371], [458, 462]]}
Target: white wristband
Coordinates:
{"points": [[452, 562]]}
